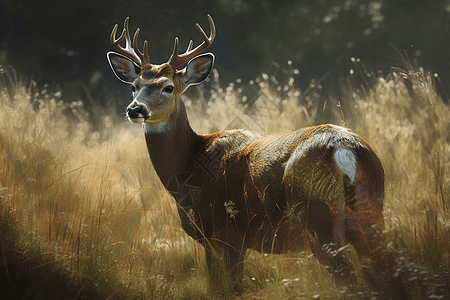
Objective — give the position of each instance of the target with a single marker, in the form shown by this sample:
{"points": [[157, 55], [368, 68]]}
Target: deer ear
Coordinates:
{"points": [[124, 68], [197, 69]]}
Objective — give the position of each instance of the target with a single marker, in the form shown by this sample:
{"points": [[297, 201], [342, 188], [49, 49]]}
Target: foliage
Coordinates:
{"points": [[64, 43]]}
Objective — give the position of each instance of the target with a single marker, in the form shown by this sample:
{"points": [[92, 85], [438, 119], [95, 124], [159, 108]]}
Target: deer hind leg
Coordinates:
{"points": [[327, 242], [364, 232], [319, 202], [361, 215]]}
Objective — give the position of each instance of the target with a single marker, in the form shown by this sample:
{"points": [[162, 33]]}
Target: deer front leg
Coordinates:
{"points": [[226, 265]]}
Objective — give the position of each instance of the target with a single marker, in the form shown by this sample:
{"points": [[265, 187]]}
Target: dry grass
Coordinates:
{"points": [[83, 214]]}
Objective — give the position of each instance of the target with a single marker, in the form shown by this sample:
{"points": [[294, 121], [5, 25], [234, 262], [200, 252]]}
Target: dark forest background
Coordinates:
{"points": [[64, 43]]}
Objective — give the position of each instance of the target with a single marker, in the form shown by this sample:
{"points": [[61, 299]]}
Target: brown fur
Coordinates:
{"points": [[151, 72]]}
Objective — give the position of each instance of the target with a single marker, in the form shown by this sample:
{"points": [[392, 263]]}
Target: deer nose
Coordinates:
{"points": [[135, 111]]}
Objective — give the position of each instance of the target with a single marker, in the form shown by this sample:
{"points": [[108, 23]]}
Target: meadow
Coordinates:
{"points": [[84, 216]]}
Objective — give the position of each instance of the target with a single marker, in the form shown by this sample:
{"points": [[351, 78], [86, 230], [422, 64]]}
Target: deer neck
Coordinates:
{"points": [[170, 146]]}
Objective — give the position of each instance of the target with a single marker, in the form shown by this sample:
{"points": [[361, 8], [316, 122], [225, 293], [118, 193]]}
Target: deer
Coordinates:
{"points": [[319, 188]]}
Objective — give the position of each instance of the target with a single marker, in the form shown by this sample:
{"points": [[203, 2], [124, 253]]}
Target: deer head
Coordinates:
{"points": [[156, 88]]}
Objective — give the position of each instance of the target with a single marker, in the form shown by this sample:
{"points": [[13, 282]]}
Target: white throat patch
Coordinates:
{"points": [[157, 128]]}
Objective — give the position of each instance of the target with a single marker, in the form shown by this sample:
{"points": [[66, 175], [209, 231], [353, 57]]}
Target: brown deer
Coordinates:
{"points": [[319, 187]]}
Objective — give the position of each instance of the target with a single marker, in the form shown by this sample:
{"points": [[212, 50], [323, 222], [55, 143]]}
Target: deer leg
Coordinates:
{"points": [[326, 242], [235, 260], [318, 200], [367, 240], [226, 266], [362, 231]]}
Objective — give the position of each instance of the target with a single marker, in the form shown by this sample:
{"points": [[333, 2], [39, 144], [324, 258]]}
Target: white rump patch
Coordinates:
{"points": [[346, 162]]}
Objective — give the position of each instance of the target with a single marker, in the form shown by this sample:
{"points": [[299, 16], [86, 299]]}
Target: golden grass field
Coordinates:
{"points": [[84, 216]]}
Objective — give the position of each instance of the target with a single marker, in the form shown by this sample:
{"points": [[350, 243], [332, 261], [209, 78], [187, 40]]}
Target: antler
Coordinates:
{"points": [[131, 52], [178, 60]]}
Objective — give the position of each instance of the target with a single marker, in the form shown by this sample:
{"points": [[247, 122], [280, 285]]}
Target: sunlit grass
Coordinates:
{"points": [[84, 203]]}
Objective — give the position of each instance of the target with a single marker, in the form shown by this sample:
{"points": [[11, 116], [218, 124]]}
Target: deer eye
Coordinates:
{"points": [[168, 89]]}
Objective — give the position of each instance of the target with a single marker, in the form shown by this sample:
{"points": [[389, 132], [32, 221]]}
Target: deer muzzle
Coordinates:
{"points": [[136, 113]]}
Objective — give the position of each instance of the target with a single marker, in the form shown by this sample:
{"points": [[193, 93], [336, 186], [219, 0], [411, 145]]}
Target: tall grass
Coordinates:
{"points": [[83, 214]]}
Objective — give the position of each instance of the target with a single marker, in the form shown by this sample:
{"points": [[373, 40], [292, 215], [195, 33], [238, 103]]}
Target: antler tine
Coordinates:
{"points": [[143, 56], [177, 60], [130, 50], [191, 43]]}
